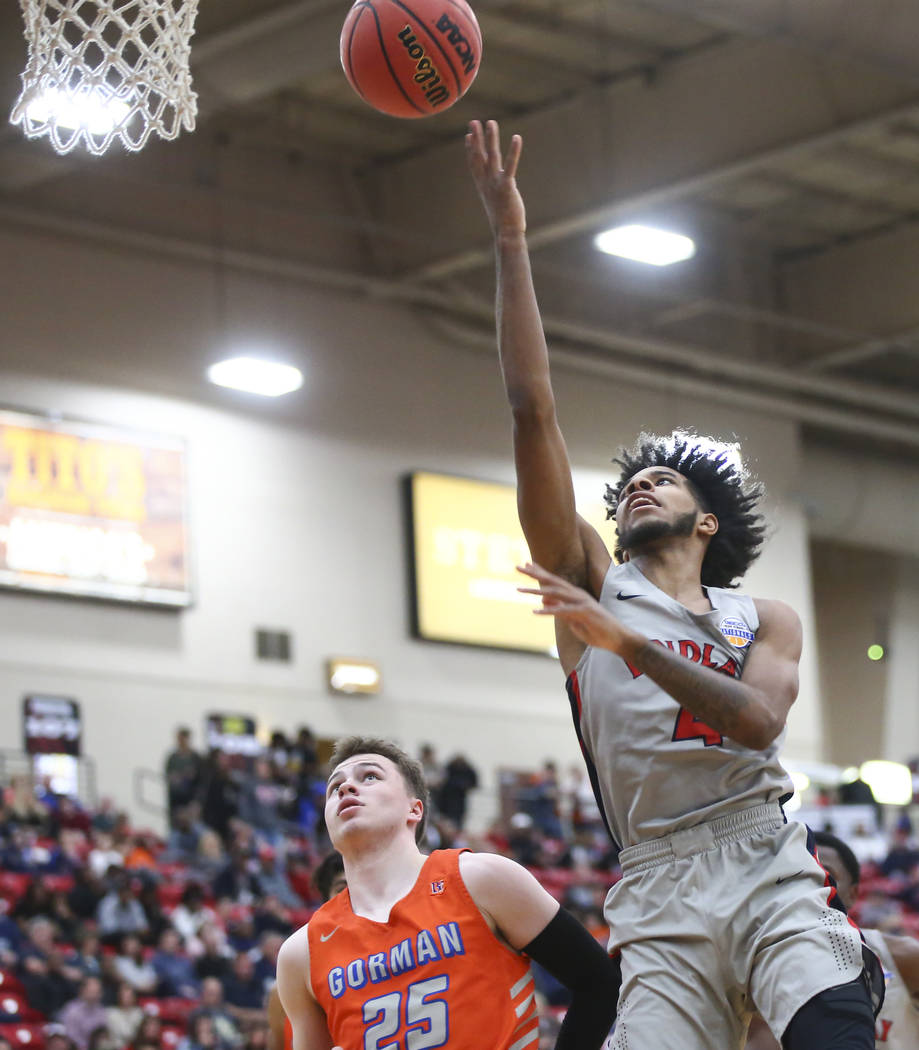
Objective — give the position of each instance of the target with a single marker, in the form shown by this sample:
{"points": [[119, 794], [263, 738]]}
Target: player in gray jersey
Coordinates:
{"points": [[680, 690], [897, 1025]]}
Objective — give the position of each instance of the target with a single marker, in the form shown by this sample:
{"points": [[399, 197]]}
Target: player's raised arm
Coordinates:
{"points": [[531, 921], [556, 536]]}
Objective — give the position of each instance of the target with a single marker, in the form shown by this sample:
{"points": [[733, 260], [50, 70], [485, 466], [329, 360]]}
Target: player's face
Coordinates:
{"points": [[832, 862], [366, 793], [657, 503]]}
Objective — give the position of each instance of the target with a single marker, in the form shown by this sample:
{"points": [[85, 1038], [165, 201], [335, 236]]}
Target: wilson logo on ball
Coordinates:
{"points": [[411, 58]]}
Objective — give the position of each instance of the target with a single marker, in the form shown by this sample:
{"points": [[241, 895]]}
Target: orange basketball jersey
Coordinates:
{"points": [[433, 975]]}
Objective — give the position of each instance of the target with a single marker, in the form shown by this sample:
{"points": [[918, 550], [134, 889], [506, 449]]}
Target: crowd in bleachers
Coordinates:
{"points": [[113, 937]]}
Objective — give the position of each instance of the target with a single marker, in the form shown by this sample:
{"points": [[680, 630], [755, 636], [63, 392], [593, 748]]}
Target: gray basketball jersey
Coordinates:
{"points": [[655, 768]]}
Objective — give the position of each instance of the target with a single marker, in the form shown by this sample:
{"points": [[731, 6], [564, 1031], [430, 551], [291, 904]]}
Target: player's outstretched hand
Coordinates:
{"points": [[581, 611], [495, 177]]}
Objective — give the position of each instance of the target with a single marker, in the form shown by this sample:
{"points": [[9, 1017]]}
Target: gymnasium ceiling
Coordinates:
{"points": [[782, 135]]}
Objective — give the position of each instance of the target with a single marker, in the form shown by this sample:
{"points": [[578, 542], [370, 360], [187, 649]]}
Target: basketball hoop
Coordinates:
{"points": [[100, 70]]}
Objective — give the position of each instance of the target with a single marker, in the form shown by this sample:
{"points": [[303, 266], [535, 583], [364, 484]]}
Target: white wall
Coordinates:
{"points": [[299, 525]]}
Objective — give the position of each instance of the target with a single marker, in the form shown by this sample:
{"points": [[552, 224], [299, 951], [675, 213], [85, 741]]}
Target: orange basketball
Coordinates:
{"points": [[412, 58]]}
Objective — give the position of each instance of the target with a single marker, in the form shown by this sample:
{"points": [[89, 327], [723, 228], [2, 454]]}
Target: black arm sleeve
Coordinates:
{"points": [[568, 951]]}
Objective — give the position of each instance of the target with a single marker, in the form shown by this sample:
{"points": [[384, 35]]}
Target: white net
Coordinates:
{"points": [[101, 70]]}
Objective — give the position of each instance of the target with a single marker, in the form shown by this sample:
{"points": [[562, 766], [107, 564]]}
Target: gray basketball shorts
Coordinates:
{"points": [[717, 921]]}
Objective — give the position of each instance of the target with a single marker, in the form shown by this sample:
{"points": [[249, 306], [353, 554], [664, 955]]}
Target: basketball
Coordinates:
{"points": [[413, 58]]}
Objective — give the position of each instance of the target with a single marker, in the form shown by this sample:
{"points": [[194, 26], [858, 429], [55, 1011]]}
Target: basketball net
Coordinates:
{"points": [[101, 70]]}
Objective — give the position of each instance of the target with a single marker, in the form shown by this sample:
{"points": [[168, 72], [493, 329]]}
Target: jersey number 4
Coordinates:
{"points": [[425, 1017], [688, 727]]}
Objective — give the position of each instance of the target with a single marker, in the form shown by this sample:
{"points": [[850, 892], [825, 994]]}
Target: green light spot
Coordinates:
{"points": [[875, 652]]}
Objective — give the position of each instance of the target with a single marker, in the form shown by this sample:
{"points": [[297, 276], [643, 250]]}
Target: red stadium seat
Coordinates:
{"points": [[24, 1036], [171, 1010], [9, 982], [13, 1007], [13, 884]]}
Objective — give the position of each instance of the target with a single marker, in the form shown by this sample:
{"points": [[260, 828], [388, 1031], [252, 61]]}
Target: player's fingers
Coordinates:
{"points": [[493, 145], [513, 156]]}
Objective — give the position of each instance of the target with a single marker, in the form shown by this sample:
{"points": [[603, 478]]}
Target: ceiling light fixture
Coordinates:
{"points": [[646, 244], [256, 376]]}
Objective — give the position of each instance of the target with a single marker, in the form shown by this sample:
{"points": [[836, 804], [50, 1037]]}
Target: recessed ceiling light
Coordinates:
{"points": [[646, 244], [255, 376]]}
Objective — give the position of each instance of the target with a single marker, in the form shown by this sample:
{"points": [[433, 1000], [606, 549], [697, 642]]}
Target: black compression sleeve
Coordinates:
{"points": [[568, 951]]}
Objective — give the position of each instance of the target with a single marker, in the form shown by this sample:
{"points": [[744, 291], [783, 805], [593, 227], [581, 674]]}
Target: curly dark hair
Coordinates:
{"points": [[720, 486]]}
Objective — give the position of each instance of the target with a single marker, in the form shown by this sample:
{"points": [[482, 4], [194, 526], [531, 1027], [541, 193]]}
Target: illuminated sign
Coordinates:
{"points": [[466, 544], [92, 510], [51, 725]]}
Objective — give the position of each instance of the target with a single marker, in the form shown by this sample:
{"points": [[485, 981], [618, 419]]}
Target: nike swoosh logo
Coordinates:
{"points": [[625, 597], [326, 936], [785, 878]]}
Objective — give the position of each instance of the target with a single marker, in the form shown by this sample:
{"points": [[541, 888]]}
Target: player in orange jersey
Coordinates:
{"points": [[428, 951]]}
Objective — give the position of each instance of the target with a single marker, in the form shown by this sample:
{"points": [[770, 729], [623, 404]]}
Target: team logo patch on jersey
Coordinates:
{"points": [[437, 887], [736, 632]]}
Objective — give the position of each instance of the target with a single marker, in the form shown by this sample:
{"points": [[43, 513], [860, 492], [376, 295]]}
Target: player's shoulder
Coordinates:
{"points": [[776, 615], [482, 871], [297, 946]]}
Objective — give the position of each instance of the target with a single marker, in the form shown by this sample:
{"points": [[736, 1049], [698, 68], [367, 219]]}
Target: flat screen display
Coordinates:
{"points": [[92, 510]]}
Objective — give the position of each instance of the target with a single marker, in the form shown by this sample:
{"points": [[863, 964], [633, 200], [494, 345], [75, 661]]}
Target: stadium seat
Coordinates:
{"points": [[22, 1036], [13, 1007], [9, 982], [171, 1010]]}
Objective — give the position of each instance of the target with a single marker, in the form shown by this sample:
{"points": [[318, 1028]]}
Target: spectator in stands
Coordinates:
{"points": [[157, 919], [202, 1035], [266, 959], [123, 1019], [191, 914], [270, 914], [305, 751], [183, 769], [174, 970], [263, 800], [212, 955], [433, 772], [22, 804], [185, 835], [37, 900], [10, 939], [69, 815], [120, 912], [56, 1038], [104, 855], [102, 1039], [49, 980], [272, 878], [84, 1014], [542, 800], [149, 1032], [213, 1006], [903, 855], [5, 1044], [130, 966], [237, 881], [105, 817], [243, 992], [85, 894], [220, 795], [459, 779], [87, 952]]}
